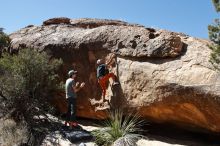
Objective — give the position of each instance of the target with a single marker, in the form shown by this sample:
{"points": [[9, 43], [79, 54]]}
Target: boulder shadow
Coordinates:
{"points": [[172, 134], [76, 134]]}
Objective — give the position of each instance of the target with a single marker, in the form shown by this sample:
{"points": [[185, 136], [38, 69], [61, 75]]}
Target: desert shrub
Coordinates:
{"points": [[28, 81]]}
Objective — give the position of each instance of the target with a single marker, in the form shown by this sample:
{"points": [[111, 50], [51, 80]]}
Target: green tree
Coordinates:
{"points": [[4, 40], [1, 30], [216, 4], [214, 35]]}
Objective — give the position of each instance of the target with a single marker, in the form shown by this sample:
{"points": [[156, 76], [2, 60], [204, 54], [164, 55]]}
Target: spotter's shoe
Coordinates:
{"points": [[73, 124]]}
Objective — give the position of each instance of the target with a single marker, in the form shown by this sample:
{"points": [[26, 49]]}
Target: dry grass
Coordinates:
{"points": [[11, 133]]}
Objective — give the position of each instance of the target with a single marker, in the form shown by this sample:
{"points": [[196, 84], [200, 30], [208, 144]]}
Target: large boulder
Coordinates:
{"points": [[164, 76]]}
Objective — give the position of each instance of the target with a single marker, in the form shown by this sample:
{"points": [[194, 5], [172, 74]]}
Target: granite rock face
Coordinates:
{"points": [[164, 76]]}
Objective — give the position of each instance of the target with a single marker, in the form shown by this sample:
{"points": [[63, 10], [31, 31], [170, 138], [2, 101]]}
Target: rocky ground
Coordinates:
{"points": [[156, 135]]}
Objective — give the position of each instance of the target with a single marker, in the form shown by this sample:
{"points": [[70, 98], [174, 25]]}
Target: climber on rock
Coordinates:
{"points": [[103, 75]]}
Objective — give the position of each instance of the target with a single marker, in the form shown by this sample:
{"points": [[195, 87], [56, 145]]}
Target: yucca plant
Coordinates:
{"points": [[119, 130]]}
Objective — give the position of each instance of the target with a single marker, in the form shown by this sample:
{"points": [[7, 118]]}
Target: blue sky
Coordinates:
{"points": [[188, 16]]}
